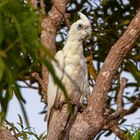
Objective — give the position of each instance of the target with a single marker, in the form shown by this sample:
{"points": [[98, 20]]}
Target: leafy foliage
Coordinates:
{"points": [[22, 132], [109, 19], [19, 49], [133, 133], [136, 136], [20, 44]]}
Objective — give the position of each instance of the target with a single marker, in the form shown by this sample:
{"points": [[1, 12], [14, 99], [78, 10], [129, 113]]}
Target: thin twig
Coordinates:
{"points": [[28, 85], [43, 85], [42, 4], [113, 124], [133, 107], [119, 100], [117, 131], [123, 112], [33, 3]]}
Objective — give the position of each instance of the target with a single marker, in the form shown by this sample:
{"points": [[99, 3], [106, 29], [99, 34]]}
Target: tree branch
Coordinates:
{"points": [[29, 85], [113, 126], [5, 134], [119, 100], [121, 112], [43, 86], [93, 119], [49, 28], [42, 4], [33, 3], [133, 107], [118, 115]]}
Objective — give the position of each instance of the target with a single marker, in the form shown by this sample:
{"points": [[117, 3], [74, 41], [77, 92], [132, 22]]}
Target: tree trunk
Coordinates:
{"points": [[94, 118]]}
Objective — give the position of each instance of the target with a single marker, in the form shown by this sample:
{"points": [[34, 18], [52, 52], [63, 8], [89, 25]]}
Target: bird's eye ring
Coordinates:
{"points": [[79, 26]]}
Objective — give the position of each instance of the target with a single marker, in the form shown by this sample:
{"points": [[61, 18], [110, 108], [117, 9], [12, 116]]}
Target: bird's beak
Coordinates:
{"points": [[88, 32]]}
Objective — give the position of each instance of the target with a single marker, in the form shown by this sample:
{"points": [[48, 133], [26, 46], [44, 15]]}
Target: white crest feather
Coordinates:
{"points": [[83, 17]]}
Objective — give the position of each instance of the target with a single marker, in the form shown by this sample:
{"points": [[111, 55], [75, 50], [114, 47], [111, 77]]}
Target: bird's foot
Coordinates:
{"points": [[79, 106]]}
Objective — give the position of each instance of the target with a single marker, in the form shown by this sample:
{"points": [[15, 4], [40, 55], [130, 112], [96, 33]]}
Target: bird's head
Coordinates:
{"points": [[81, 29]]}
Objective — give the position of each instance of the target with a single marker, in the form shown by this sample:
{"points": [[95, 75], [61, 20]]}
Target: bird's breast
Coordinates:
{"points": [[74, 71]]}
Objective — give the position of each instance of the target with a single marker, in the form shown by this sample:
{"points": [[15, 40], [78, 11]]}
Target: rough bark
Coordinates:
{"points": [[93, 119], [49, 28], [6, 135]]}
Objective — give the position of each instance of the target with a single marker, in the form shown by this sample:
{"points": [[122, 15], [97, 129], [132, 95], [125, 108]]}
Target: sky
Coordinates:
{"points": [[34, 107]]}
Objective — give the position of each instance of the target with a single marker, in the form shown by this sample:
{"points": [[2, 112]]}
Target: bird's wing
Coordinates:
{"points": [[86, 89], [58, 66]]}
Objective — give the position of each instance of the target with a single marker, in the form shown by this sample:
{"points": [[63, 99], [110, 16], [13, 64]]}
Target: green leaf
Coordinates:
{"points": [[1, 30], [59, 83], [131, 67], [104, 3], [2, 67], [18, 93], [122, 121], [3, 54], [19, 47], [3, 3], [108, 133], [12, 125], [136, 136], [42, 136], [4, 98], [21, 122], [24, 113], [99, 135], [127, 135]]}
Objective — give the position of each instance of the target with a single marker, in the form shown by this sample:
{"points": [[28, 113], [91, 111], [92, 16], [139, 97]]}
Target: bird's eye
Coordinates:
{"points": [[79, 26]]}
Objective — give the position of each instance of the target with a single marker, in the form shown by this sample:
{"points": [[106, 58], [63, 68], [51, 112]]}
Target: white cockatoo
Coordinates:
{"points": [[70, 67]]}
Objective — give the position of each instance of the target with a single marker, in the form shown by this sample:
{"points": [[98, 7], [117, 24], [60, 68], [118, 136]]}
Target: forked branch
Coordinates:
{"points": [[93, 116]]}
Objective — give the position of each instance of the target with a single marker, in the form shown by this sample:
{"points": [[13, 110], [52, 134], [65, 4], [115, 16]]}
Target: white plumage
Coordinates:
{"points": [[71, 67]]}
